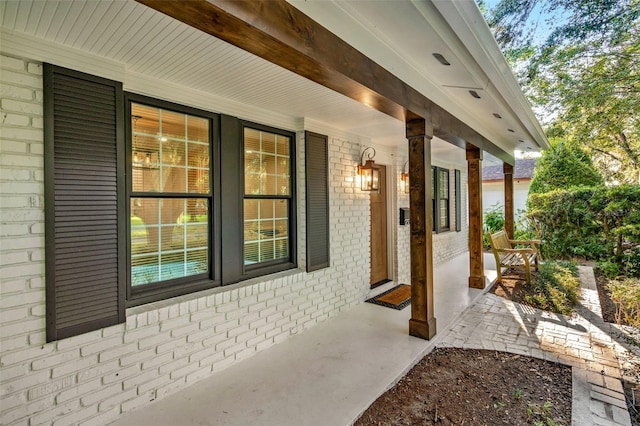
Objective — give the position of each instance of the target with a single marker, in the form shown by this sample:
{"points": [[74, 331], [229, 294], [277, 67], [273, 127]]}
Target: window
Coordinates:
{"points": [[267, 196], [440, 199], [135, 212], [170, 195]]}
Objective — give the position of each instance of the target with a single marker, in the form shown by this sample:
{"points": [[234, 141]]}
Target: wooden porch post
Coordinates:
{"points": [[476, 254], [422, 323], [508, 199]]}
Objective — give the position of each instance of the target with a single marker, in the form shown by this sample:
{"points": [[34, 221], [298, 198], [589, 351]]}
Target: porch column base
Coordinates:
{"points": [[422, 329], [477, 282]]}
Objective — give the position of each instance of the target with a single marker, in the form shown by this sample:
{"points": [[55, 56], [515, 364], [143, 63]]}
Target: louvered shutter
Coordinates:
{"points": [[317, 200], [83, 185]]}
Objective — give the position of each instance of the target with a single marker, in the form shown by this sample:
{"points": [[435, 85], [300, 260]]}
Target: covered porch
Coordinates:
{"points": [[327, 375]]}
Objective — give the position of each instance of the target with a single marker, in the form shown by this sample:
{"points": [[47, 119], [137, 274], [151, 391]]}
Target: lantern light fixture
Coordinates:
{"points": [[369, 173], [404, 178]]}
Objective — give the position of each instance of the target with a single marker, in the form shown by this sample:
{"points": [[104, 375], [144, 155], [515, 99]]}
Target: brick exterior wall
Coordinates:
{"points": [[164, 346]]}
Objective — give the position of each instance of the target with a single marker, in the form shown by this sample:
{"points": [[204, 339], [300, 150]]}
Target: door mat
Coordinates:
{"points": [[399, 297]]}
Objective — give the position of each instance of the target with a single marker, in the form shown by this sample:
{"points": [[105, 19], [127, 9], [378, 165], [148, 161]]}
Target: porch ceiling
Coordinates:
{"points": [[150, 43]]}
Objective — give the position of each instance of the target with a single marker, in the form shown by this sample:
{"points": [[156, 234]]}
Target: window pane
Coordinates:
{"points": [[266, 163], [169, 239], [444, 213], [443, 183], [266, 230], [170, 151]]}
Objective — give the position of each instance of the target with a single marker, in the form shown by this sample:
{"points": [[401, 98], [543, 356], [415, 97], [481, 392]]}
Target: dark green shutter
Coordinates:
{"points": [[317, 200], [83, 202], [458, 202]]}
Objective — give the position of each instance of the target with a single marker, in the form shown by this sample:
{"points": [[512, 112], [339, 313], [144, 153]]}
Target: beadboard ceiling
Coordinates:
{"points": [[152, 44]]}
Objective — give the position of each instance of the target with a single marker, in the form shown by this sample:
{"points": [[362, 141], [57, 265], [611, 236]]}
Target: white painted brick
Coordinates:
{"points": [[137, 357], [103, 418], [171, 345], [101, 345], [183, 371], [118, 351], [55, 360], [34, 68], [21, 79], [153, 384], [199, 374], [103, 393], [143, 399], [97, 371], [78, 390], [10, 63], [14, 314], [140, 378], [121, 374], [187, 329], [14, 92], [222, 364], [153, 340], [53, 412], [48, 388], [157, 361], [174, 323], [21, 133], [174, 365], [215, 339], [187, 349], [20, 356], [170, 388], [117, 399]]}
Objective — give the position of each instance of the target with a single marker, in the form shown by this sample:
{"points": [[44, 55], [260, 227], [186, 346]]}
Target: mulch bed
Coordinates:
{"points": [[512, 286]]}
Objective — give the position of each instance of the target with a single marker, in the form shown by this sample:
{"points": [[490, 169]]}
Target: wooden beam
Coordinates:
{"points": [[476, 252], [422, 323], [508, 199], [279, 33]]}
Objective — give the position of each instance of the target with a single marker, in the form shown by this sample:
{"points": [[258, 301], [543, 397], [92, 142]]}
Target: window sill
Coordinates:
{"points": [[136, 310]]}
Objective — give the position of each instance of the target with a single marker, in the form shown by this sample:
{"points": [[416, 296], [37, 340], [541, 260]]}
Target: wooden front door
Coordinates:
{"points": [[379, 231]]}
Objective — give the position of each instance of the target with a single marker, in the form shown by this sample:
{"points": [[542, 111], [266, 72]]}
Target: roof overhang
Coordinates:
{"points": [[156, 55]]}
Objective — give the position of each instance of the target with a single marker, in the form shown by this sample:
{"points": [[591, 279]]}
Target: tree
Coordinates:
{"points": [[563, 166], [584, 77]]}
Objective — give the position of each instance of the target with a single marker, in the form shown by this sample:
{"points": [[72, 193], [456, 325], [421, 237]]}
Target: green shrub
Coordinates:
{"points": [[555, 288], [625, 294], [610, 270], [493, 222], [631, 262]]}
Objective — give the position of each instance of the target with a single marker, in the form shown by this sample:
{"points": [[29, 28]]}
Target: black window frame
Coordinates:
{"points": [[176, 287], [277, 265], [435, 200]]}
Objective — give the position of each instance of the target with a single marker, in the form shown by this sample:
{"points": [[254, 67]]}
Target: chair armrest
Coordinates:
{"points": [[529, 242], [512, 250]]}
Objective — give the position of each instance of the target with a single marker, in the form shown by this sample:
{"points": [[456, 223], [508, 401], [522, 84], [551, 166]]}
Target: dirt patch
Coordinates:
{"points": [[474, 387], [513, 286], [606, 304]]}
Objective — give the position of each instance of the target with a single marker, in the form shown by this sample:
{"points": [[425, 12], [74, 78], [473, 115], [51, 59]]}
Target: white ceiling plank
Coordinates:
{"points": [[86, 10], [35, 16], [9, 13], [58, 21]]}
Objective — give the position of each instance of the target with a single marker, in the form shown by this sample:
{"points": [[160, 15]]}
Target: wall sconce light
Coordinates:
{"points": [[369, 172], [404, 179]]}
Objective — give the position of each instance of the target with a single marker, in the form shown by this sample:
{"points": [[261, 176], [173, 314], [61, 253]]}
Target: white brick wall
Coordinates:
{"points": [[165, 346]]}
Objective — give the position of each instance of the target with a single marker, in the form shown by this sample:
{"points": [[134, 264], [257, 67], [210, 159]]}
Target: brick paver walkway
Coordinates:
{"points": [[580, 341]]}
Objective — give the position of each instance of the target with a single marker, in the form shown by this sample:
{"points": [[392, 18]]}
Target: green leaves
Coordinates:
{"points": [[578, 61]]}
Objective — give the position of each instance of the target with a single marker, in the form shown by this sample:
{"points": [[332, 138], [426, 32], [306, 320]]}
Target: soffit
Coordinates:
{"points": [[152, 44]]}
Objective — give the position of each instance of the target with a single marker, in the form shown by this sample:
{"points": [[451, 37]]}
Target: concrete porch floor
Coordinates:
{"points": [[327, 375]]}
